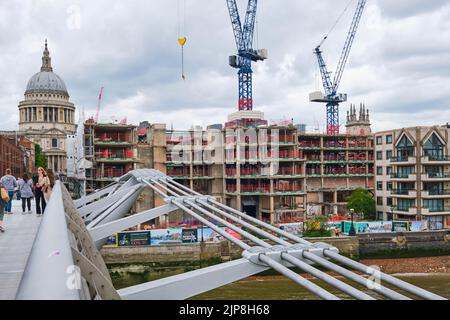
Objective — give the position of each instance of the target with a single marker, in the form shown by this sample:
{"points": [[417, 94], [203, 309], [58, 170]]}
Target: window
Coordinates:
{"points": [[389, 139], [380, 215], [54, 143], [380, 185], [405, 149], [389, 186], [405, 204], [434, 205], [404, 172], [379, 171], [379, 155], [389, 155], [388, 171], [389, 202], [379, 201], [433, 148], [379, 141]]}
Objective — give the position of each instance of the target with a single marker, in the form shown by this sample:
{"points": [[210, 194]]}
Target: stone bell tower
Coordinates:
{"points": [[358, 125]]}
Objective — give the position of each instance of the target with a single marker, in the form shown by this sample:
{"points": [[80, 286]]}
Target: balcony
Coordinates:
{"points": [[404, 193], [436, 176], [436, 160], [436, 211], [438, 194], [403, 160], [404, 176], [412, 211]]}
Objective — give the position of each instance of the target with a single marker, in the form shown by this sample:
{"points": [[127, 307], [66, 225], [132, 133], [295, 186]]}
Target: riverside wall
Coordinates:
{"points": [[383, 245]]}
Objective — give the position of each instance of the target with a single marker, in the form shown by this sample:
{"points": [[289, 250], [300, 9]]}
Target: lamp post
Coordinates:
{"points": [[352, 231], [392, 217]]}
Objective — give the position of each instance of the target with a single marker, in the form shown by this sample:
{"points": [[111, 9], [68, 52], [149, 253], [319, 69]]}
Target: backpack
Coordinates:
{"points": [[4, 195]]}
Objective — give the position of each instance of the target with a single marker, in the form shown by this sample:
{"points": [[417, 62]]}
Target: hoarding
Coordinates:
{"points": [[189, 235], [141, 238], [293, 228], [166, 236]]}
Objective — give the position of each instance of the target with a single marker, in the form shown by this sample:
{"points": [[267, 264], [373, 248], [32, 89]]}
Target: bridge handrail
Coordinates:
{"points": [[47, 273]]}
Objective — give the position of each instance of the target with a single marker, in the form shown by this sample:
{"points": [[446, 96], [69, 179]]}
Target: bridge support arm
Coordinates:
{"points": [[105, 230], [193, 283]]}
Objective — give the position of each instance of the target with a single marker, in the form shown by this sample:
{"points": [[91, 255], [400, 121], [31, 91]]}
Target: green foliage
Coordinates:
{"points": [[40, 158], [315, 228], [363, 203]]}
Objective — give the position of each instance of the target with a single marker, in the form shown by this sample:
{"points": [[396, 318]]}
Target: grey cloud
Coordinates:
{"points": [[130, 47]]}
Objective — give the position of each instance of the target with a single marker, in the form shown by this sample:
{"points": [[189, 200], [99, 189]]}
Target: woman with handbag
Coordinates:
{"points": [[39, 188]]}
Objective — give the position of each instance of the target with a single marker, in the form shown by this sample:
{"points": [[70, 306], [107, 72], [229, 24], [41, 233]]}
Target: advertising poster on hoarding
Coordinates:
{"points": [[417, 226], [166, 236], [293, 228], [111, 241], [379, 226], [401, 226], [332, 225], [189, 235], [209, 235], [133, 238], [360, 227]]}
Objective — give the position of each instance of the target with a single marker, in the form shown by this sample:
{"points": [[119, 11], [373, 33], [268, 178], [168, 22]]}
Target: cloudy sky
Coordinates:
{"points": [[399, 66]]}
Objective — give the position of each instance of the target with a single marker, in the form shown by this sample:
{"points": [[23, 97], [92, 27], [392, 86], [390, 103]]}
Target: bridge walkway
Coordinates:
{"points": [[15, 247]]}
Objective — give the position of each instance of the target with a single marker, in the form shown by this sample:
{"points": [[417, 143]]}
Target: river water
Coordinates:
{"points": [[275, 288]]}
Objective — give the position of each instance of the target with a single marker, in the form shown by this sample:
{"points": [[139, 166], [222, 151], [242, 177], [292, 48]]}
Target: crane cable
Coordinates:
{"points": [[182, 39], [336, 23]]}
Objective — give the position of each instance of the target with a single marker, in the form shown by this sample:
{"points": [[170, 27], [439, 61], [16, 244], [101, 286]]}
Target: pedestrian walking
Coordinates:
{"points": [[10, 184], [18, 191], [39, 184], [25, 185], [4, 199], [49, 184]]}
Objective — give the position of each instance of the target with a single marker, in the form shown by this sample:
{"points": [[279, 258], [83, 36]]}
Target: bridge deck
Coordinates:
{"points": [[15, 247]]}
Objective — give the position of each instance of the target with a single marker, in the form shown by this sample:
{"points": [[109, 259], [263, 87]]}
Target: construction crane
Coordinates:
{"points": [[331, 97], [100, 97], [245, 52]]}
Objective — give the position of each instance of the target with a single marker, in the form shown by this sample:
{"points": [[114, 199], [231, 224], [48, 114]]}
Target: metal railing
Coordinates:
{"points": [[401, 159], [438, 192], [439, 209], [402, 192], [397, 175], [433, 158], [437, 175], [64, 263]]}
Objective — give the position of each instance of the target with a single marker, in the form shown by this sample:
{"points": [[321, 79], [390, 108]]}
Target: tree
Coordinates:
{"points": [[317, 228], [40, 158], [363, 203]]}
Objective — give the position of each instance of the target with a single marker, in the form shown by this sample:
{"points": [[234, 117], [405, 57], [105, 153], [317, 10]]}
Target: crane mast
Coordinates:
{"points": [[245, 53], [331, 97]]}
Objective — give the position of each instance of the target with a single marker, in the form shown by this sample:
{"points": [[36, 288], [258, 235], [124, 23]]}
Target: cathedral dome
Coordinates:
{"points": [[46, 80]]}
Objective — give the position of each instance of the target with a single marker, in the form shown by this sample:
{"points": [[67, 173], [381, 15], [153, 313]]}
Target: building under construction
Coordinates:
{"points": [[275, 173], [336, 165], [112, 149]]}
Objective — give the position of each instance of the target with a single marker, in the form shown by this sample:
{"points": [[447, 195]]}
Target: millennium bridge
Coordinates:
{"points": [[60, 251]]}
